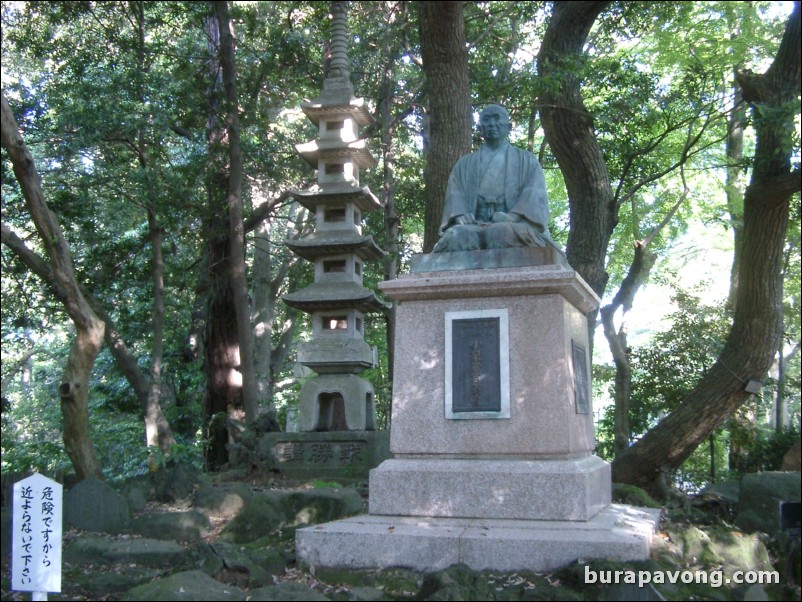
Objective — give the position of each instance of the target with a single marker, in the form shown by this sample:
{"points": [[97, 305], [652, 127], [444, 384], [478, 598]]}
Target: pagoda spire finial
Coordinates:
{"points": [[338, 80], [339, 40]]}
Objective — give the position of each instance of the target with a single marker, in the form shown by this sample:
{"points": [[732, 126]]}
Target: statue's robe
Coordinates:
{"points": [[511, 182]]}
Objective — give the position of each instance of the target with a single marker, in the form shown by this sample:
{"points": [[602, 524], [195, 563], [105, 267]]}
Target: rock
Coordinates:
{"points": [[222, 502], [792, 460], [190, 525], [366, 593], [719, 546], [740, 551], [259, 518], [137, 491], [728, 491], [319, 505], [244, 568], [107, 585], [457, 582], [93, 549], [177, 481], [92, 505], [189, 585], [756, 593], [286, 591], [694, 545], [635, 496], [761, 494], [268, 512]]}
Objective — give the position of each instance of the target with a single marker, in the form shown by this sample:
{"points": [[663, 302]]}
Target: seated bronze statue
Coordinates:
{"points": [[496, 197]]}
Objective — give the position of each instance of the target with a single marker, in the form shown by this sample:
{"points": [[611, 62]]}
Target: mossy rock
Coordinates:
{"points": [[224, 501], [188, 585], [634, 496], [110, 584], [258, 519], [286, 591], [761, 494], [189, 525]]}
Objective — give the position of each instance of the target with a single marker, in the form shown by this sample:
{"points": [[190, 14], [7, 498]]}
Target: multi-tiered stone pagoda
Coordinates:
{"points": [[337, 398]]}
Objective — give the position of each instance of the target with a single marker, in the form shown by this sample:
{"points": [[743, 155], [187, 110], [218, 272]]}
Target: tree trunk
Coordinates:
{"points": [[639, 269], [445, 65], [239, 279], [262, 313], [223, 397], [617, 339], [74, 387], [735, 197], [123, 357], [157, 430], [569, 131], [391, 220], [757, 325]]}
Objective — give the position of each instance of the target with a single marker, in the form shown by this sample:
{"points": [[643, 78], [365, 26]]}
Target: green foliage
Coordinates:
{"points": [[708, 463], [665, 370], [635, 496], [768, 448], [321, 484], [115, 102]]}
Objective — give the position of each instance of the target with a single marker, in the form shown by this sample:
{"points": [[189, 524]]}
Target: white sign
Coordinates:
{"points": [[36, 537]]}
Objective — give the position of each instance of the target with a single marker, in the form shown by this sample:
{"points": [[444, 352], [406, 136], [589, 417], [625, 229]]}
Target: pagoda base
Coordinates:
{"points": [[337, 402]]}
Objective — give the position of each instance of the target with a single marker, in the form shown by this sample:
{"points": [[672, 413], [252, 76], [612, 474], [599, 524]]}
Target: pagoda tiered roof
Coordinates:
{"points": [[323, 243], [337, 194], [336, 150], [334, 295], [319, 108]]}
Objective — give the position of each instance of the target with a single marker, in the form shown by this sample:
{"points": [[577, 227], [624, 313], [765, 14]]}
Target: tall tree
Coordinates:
{"points": [[570, 133], [756, 330], [239, 278], [448, 129], [74, 387]]}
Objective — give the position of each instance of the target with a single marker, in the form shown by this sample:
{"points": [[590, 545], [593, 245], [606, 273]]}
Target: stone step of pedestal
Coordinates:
{"points": [[559, 489], [430, 544]]}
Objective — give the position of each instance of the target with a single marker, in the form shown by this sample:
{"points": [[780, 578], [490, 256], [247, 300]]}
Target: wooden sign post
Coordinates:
{"points": [[36, 538]]}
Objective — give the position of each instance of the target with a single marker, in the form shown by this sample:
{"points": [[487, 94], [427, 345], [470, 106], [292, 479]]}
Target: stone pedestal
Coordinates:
{"points": [[492, 428], [343, 454]]}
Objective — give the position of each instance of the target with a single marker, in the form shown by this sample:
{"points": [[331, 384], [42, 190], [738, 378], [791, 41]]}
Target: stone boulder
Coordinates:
{"points": [[176, 482], [761, 494], [190, 525], [188, 585], [94, 549], [271, 511], [237, 565], [792, 460], [93, 505], [222, 502], [287, 591]]}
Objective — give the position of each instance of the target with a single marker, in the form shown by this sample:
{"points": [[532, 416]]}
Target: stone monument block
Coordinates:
{"points": [[544, 307], [492, 428]]}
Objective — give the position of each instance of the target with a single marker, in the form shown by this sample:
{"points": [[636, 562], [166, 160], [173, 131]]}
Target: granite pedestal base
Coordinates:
{"points": [[493, 463], [431, 544], [562, 490]]}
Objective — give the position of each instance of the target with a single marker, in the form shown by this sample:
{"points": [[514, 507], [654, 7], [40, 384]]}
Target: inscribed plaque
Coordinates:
{"points": [[476, 373], [581, 381], [477, 364]]}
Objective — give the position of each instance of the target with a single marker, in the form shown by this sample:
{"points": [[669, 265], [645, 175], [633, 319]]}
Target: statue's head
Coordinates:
{"points": [[494, 122]]}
